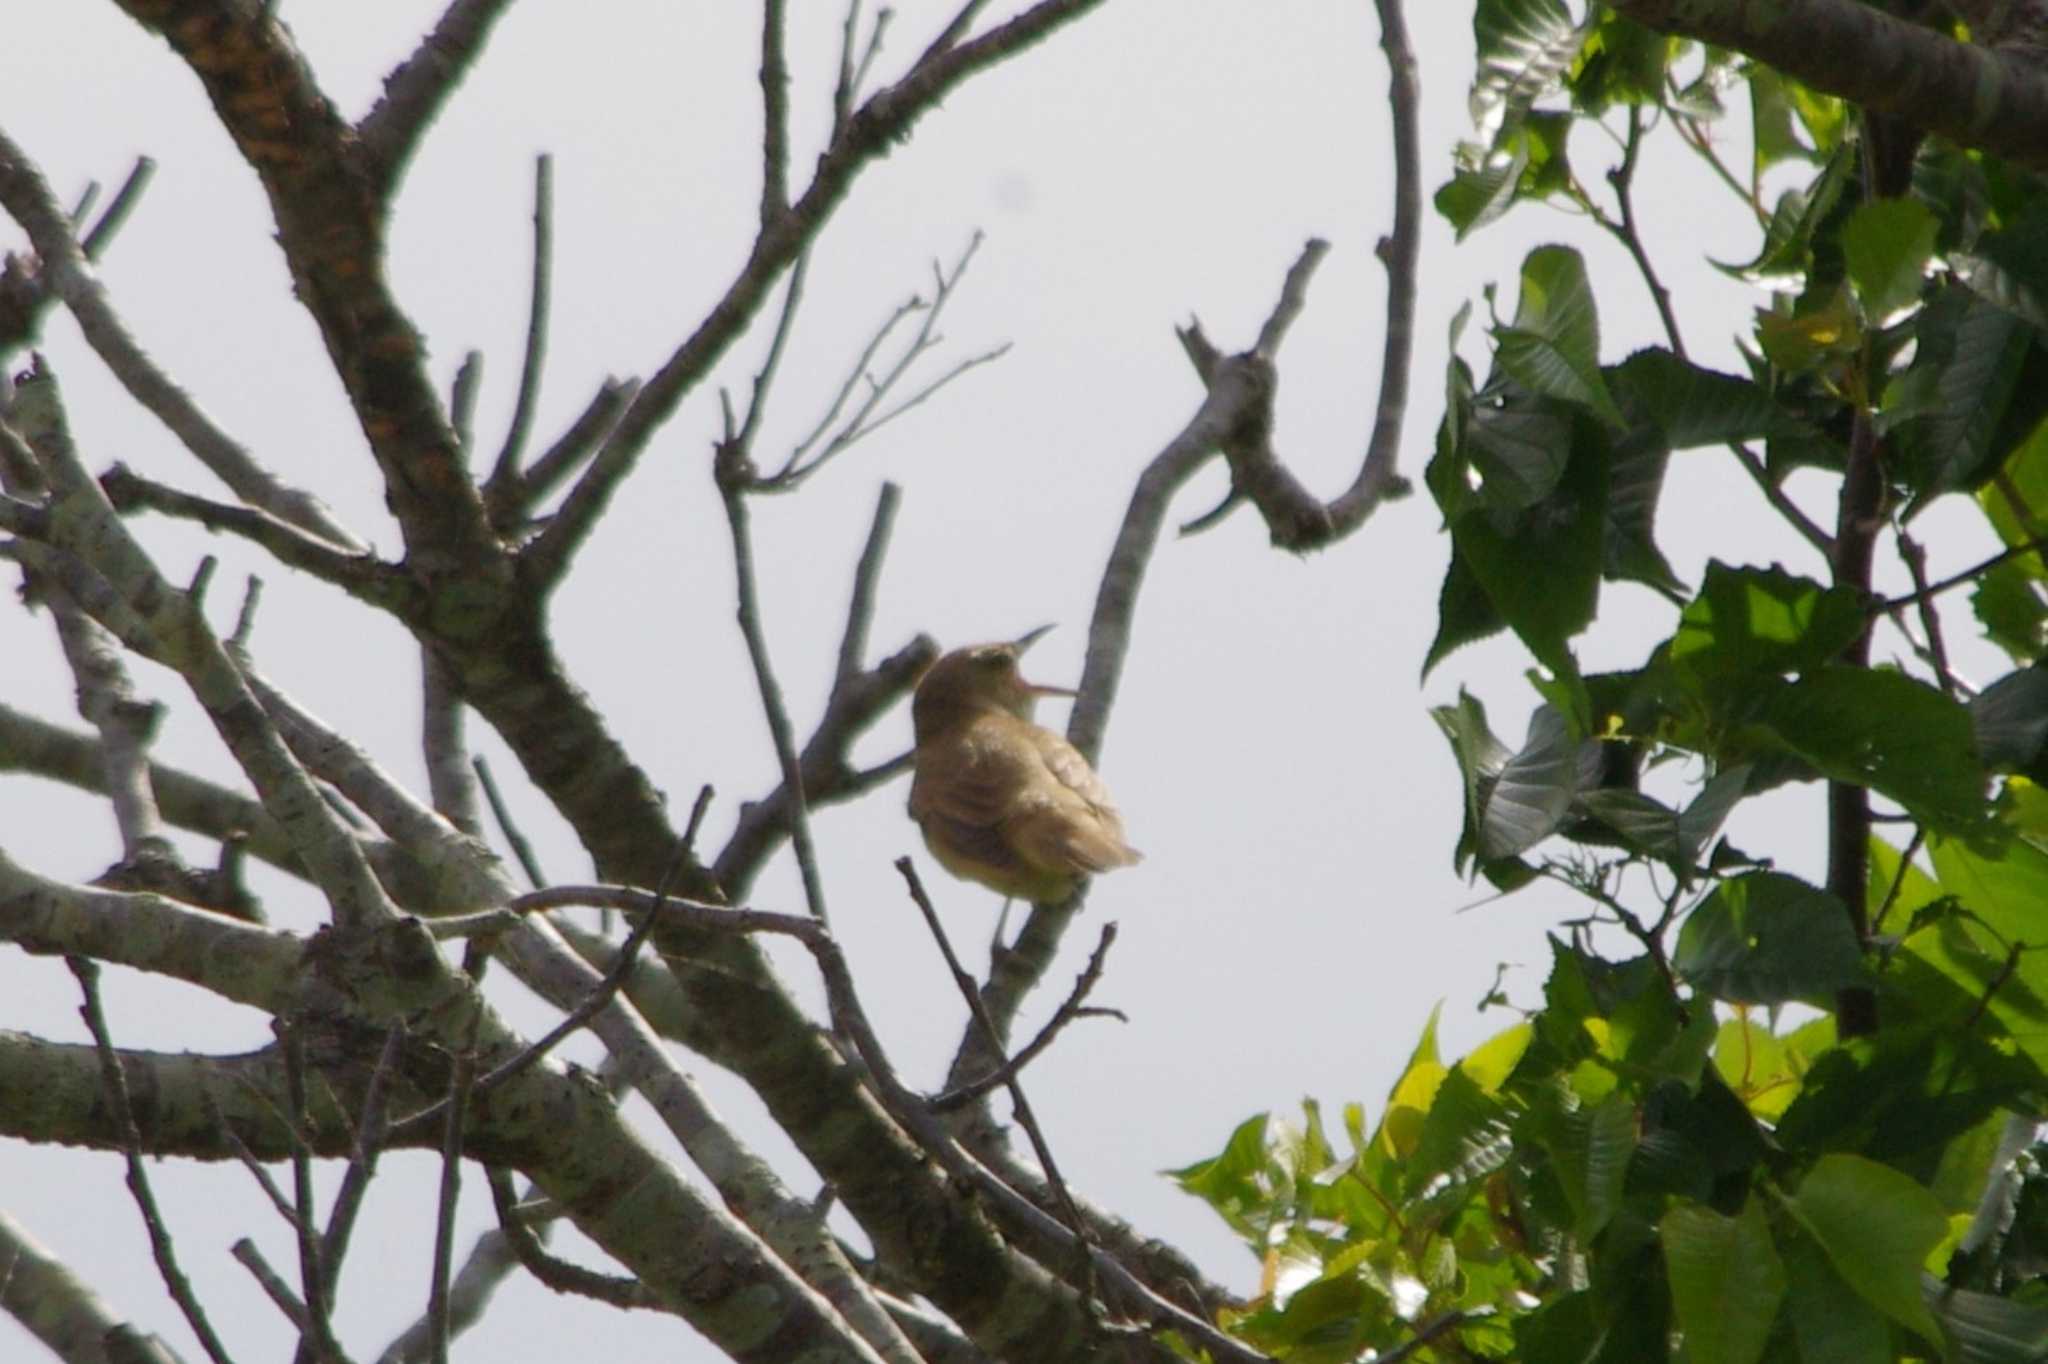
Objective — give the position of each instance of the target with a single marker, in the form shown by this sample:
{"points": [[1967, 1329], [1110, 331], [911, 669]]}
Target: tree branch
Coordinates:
{"points": [[1992, 99], [880, 123], [416, 90], [70, 276]]}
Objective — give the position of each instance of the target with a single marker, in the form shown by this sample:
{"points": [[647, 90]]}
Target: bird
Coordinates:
{"points": [[1000, 800]]}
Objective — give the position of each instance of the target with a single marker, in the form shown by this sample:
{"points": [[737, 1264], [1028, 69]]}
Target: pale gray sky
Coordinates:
{"points": [[1296, 917]]}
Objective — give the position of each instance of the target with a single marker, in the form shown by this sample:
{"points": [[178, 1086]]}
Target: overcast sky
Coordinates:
{"points": [[1296, 917]]}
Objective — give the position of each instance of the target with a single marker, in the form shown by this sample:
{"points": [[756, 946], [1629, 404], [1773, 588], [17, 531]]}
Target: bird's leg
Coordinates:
{"points": [[996, 950]]}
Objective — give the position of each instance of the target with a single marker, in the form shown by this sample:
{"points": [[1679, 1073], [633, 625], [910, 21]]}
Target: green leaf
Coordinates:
{"points": [[2010, 720], [1884, 730], [1591, 1149], [1691, 405], [1464, 614], [1540, 568], [1726, 1281], [1970, 397], [2009, 607], [1831, 1322], [1524, 47], [1788, 237], [1774, 125], [1756, 1067], [1767, 938], [1886, 244], [1622, 62], [1234, 1181], [2006, 887], [1747, 621], [1915, 889], [1534, 790], [1553, 348], [1877, 1227], [1821, 333], [1484, 186], [1464, 1136]]}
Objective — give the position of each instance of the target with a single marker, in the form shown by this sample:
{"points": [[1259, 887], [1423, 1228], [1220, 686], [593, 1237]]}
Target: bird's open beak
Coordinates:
{"points": [[1025, 641], [1029, 638]]}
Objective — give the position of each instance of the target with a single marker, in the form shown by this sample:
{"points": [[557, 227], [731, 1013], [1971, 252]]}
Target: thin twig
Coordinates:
{"points": [[1962, 579], [116, 1084], [1070, 1009], [362, 1162], [774, 115], [457, 1104], [96, 241], [614, 980], [272, 1283], [1915, 557], [553, 1271], [970, 990], [318, 1342], [863, 422], [506, 470], [522, 850], [462, 399], [69, 274], [1898, 885], [867, 573], [731, 489]]}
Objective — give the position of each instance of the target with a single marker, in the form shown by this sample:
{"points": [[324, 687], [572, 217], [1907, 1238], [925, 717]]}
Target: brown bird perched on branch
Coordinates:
{"points": [[1001, 800]]}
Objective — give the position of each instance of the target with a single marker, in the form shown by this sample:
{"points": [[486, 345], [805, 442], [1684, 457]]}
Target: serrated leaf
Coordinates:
{"points": [[1591, 1152], [1478, 193], [1726, 1281], [1691, 405], [1877, 1227], [1748, 621], [1767, 938], [1535, 788], [1886, 245], [2011, 610], [1524, 48], [1553, 347], [1963, 404], [1887, 731], [2010, 720]]}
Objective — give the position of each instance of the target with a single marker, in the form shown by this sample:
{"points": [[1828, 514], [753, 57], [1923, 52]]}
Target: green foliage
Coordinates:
{"points": [[1692, 1147]]}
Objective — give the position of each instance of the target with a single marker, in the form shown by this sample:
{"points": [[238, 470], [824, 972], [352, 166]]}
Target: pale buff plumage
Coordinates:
{"points": [[1001, 800]]}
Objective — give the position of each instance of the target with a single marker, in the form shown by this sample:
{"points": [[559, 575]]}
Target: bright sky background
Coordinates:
{"points": [[1296, 918]]}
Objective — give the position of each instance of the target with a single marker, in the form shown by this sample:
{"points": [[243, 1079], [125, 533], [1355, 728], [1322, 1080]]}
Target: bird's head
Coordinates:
{"points": [[976, 679]]}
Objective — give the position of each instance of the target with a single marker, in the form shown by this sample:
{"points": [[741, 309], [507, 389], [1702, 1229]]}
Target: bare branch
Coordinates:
{"points": [[416, 90], [511, 500], [57, 1307], [732, 480], [867, 575], [1005, 1070], [157, 620], [774, 114], [442, 745], [69, 274], [506, 470], [115, 1084], [1071, 1008], [358, 572], [558, 1274], [884, 119], [1991, 98], [522, 850], [451, 1186], [864, 422]]}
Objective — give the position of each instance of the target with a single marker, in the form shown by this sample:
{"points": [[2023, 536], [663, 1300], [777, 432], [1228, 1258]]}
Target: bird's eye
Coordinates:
{"points": [[991, 660]]}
